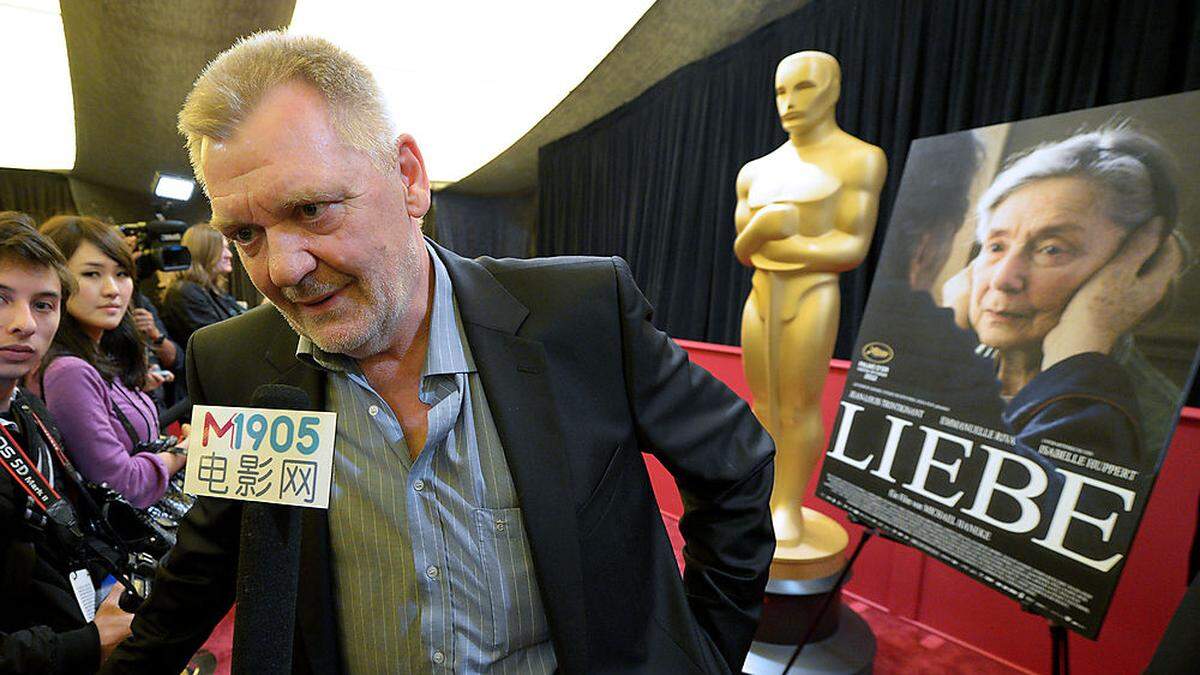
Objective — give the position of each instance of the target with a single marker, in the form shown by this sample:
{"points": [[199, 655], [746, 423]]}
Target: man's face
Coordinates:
{"points": [[30, 307], [1043, 242], [331, 240], [805, 93]]}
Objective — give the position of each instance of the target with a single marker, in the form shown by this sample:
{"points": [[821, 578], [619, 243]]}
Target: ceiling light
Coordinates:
{"points": [[173, 187]]}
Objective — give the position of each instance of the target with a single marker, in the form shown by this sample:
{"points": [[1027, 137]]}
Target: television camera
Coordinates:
{"points": [[159, 246]]}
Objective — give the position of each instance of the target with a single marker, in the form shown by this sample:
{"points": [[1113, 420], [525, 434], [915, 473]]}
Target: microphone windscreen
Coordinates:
{"points": [[282, 397]]}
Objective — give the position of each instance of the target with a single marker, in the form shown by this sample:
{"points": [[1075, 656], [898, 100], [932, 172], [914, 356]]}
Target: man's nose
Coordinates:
{"points": [[288, 257], [1010, 273], [21, 320]]}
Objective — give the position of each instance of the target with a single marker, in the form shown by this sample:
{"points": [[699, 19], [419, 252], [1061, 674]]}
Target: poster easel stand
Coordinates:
{"points": [[868, 532], [1060, 662]]}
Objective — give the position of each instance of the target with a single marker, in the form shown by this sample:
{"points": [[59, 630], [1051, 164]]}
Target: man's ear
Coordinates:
{"points": [[411, 166]]}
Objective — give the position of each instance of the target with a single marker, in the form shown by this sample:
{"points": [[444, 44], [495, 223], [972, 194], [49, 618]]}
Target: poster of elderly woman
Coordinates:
{"points": [[1028, 343]]}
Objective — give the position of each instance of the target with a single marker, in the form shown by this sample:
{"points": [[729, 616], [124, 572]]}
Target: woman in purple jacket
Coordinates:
{"points": [[93, 379]]}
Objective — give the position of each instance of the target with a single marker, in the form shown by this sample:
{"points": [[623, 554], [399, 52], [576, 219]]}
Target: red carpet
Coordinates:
{"points": [[214, 657], [901, 645]]}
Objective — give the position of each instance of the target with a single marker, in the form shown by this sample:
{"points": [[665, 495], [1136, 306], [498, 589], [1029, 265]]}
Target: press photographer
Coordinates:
{"points": [[159, 254], [46, 626]]}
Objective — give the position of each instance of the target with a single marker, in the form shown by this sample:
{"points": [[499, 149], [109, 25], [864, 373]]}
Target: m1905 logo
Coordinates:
{"points": [[878, 352]]}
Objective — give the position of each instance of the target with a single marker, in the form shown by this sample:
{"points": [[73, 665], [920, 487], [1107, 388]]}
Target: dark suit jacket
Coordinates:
{"points": [[187, 307], [579, 382]]}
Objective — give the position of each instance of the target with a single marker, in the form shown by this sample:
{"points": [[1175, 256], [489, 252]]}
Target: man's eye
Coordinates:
{"points": [[312, 211], [242, 235]]}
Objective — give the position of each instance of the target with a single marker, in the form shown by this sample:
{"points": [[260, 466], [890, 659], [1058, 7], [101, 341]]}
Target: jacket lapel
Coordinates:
{"points": [[516, 378]]}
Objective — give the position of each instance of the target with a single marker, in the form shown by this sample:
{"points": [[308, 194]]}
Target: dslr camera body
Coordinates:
{"points": [[102, 529]]}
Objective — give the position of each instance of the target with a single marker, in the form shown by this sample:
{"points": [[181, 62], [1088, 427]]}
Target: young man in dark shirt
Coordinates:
{"points": [[43, 627]]}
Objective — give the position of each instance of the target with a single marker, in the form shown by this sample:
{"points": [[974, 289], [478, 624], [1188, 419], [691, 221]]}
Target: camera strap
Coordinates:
{"points": [[25, 472], [68, 468], [134, 436]]}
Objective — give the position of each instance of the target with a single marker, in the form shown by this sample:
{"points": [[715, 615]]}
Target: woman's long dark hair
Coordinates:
{"points": [[122, 352]]}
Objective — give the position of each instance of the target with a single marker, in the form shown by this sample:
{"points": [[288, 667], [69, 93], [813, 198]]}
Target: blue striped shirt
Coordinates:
{"points": [[432, 568]]}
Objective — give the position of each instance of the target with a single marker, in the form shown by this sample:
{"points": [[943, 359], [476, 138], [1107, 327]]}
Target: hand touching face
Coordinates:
{"points": [[1117, 297]]}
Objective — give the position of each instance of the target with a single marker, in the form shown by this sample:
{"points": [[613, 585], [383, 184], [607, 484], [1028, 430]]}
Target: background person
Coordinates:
{"points": [[95, 372], [166, 360], [933, 356], [166, 354], [197, 296], [42, 629]]}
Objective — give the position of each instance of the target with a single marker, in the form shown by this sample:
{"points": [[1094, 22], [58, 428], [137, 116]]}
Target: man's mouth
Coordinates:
{"points": [[319, 302], [17, 352]]}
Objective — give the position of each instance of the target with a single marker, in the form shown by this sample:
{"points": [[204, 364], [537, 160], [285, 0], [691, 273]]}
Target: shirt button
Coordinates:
{"points": [[439, 657], [419, 485], [374, 410], [501, 526], [432, 572]]}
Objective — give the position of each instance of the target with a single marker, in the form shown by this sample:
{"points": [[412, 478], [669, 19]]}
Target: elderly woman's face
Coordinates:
{"points": [[1043, 242]]}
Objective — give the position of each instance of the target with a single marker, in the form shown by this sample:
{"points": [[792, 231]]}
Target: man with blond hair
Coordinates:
{"points": [[490, 507]]}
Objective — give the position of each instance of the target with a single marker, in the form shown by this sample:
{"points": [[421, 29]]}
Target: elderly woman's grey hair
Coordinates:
{"points": [[1133, 172]]}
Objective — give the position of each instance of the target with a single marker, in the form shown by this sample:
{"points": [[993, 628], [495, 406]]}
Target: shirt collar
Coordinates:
{"points": [[447, 353]]}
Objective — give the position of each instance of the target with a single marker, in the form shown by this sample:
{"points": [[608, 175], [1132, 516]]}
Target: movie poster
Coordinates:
{"points": [[1028, 342]]}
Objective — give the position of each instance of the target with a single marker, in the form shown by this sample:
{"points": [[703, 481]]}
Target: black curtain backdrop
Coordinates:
{"points": [[653, 181], [501, 227], [40, 194]]}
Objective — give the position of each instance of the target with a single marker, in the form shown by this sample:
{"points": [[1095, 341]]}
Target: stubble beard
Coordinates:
{"points": [[367, 326]]}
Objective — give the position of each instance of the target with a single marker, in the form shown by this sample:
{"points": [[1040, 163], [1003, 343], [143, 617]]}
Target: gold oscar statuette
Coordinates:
{"points": [[805, 212]]}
